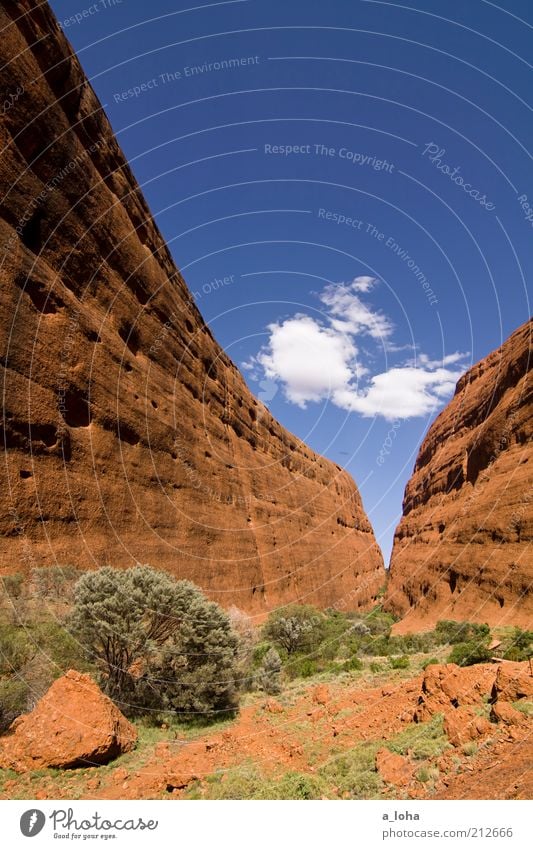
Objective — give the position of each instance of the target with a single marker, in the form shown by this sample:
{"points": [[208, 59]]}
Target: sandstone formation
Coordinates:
{"points": [[463, 547], [462, 695], [73, 725], [130, 436]]}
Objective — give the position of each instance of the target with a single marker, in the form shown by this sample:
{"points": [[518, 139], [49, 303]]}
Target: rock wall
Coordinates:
{"points": [[463, 547], [130, 436]]}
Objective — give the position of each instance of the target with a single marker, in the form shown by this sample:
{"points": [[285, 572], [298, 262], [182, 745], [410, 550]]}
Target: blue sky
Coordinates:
{"points": [[347, 190]]}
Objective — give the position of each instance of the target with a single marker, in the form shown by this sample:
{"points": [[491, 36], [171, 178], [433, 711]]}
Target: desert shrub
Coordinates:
{"points": [[159, 643], [375, 667], [12, 585], [13, 700], [451, 632], [399, 662], [241, 624], [423, 740], [470, 748], [269, 674], [295, 628], [467, 654], [16, 648], [301, 667], [353, 664], [379, 622], [55, 583], [429, 661], [359, 629], [524, 707], [520, 645], [354, 772], [246, 782]]}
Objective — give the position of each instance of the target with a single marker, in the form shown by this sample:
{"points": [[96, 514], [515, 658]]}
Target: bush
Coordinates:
{"points": [[423, 740], [14, 694], [159, 643], [295, 628], [460, 632], [429, 661], [302, 667], [399, 662], [354, 772], [520, 645], [467, 654], [269, 675]]}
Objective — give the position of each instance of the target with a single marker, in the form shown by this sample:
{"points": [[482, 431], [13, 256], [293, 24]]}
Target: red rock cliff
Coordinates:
{"points": [[463, 547], [129, 434]]}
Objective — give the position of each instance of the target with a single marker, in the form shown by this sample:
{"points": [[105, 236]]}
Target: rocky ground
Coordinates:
{"points": [[445, 733]]}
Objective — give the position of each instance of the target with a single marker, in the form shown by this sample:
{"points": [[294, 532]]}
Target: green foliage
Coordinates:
{"points": [[55, 583], [269, 675], [422, 740], [295, 628], [12, 585], [519, 646], [451, 632], [15, 648], [467, 654], [246, 782], [159, 643], [429, 661], [524, 707], [14, 694], [354, 772], [301, 667], [399, 662]]}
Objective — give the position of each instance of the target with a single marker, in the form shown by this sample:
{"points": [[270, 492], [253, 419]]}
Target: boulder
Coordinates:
{"points": [[446, 687], [73, 725], [514, 681], [393, 768]]}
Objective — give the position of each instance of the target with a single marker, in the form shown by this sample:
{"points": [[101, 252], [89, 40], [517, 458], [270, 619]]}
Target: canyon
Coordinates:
{"points": [[462, 549], [130, 435]]}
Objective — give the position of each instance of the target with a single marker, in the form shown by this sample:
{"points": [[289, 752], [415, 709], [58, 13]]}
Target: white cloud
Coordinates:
{"points": [[320, 360], [311, 361], [350, 315]]}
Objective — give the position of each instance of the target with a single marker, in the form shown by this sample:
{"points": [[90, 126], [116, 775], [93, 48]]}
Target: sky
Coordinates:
{"points": [[347, 189]]}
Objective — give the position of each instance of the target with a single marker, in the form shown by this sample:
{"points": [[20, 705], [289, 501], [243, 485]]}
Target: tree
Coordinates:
{"points": [[269, 674], [295, 627], [158, 642]]}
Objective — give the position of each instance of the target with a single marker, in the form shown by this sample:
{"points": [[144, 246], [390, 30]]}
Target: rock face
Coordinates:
{"points": [[461, 696], [130, 435], [73, 725], [463, 547]]}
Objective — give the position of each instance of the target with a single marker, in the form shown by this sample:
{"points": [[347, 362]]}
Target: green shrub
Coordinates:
{"points": [[429, 661], [301, 667], [295, 628], [399, 662], [451, 632], [423, 740], [467, 654], [352, 664], [269, 675], [14, 694], [354, 772], [159, 643], [246, 782], [375, 667], [520, 645]]}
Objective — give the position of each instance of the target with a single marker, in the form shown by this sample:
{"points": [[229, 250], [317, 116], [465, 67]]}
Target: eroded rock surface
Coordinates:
{"points": [[130, 435], [73, 725], [463, 547]]}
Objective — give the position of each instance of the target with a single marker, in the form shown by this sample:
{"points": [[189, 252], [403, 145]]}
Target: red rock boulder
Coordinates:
{"points": [[73, 725]]}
